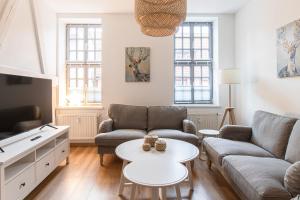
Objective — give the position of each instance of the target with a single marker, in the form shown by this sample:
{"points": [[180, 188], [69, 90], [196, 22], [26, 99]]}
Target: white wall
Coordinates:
{"points": [[256, 26], [120, 31], [19, 50]]}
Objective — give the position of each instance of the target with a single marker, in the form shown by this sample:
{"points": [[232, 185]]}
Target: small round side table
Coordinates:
{"points": [[204, 133], [155, 174]]}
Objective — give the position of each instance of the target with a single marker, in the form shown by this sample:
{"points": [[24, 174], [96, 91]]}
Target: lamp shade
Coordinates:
{"points": [[230, 76]]}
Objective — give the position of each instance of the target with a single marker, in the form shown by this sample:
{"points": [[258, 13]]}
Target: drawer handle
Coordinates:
{"points": [[22, 185], [47, 164]]}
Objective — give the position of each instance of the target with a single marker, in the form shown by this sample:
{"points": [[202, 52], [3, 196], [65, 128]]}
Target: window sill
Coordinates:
{"points": [[199, 105]]}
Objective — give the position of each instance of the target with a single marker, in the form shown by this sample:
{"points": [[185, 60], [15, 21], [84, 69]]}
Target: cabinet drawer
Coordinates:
{"points": [[61, 152], [44, 167], [21, 186]]}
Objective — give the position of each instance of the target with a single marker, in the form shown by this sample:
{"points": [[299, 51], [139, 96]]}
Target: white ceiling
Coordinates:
{"points": [[127, 6]]}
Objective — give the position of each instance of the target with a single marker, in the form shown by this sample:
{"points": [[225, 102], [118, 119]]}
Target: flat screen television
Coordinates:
{"points": [[25, 104]]}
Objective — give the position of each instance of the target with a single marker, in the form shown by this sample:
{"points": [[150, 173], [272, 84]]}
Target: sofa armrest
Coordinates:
{"points": [[189, 126], [234, 132], [106, 126]]}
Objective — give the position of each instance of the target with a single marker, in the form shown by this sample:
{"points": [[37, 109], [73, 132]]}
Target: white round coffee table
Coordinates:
{"points": [[177, 151], [156, 174]]}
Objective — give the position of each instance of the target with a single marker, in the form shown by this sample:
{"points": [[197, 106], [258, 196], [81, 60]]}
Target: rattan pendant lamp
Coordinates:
{"points": [[159, 18]]}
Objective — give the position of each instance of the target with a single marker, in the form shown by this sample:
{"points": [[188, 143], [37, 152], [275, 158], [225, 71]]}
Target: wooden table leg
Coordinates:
{"points": [[122, 179], [133, 190], [190, 175], [178, 193], [155, 194]]}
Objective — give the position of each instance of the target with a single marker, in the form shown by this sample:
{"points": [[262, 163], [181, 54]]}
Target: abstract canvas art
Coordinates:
{"points": [[288, 52], [137, 63]]}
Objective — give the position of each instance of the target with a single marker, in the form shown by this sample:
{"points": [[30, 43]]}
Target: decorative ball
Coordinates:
{"points": [[160, 145], [153, 139], [146, 147]]}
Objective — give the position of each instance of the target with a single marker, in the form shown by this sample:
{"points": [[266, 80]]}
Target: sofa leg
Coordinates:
{"points": [[209, 164], [101, 159]]}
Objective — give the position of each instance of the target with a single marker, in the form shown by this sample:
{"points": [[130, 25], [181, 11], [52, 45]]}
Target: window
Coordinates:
{"points": [[83, 63], [194, 63]]}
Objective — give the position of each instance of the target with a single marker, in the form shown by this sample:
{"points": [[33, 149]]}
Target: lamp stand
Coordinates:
{"points": [[229, 111]]}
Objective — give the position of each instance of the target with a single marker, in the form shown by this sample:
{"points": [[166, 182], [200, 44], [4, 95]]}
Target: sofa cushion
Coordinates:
{"points": [[128, 117], [177, 135], [292, 179], [293, 151], [218, 148], [114, 138], [272, 132], [257, 178], [166, 117]]}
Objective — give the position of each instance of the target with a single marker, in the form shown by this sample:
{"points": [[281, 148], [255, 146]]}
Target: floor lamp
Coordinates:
{"points": [[229, 77]]}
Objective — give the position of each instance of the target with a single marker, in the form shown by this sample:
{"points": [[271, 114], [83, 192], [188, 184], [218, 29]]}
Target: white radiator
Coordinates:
{"points": [[206, 121], [83, 127]]}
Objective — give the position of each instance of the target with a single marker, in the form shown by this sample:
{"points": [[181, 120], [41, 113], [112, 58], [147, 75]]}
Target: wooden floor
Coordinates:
{"points": [[84, 179]]}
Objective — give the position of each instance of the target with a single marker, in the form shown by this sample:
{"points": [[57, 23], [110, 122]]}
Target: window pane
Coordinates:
{"points": [[186, 31], [72, 83], [72, 56], [186, 71], [197, 54], [80, 84], [186, 82], [90, 84], [98, 33], [178, 71], [205, 43], [206, 95], [179, 82], [72, 45], [197, 71], [72, 72], [186, 55], [91, 56], [178, 43], [91, 73], [205, 54], [72, 33], [197, 31], [80, 56], [205, 31], [197, 81], [205, 71], [197, 43], [98, 56], [80, 33], [198, 95], [186, 43], [91, 45], [98, 44], [178, 55], [98, 73], [80, 72], [80, 45], [91, 33]]}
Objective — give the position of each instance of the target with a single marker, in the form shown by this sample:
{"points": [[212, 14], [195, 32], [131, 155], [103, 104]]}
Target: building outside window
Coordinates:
{"points": [[193, 63]]}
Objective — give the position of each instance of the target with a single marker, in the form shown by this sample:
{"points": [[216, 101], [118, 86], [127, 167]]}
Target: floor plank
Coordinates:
{"points": [[84, 179]]}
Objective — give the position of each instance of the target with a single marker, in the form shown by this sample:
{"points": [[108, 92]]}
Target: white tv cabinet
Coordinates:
{"points": [[24, 164]]}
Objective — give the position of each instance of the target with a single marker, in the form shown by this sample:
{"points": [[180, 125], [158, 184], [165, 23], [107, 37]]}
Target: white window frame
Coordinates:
{"points": [[86, 64], [192, 62]]}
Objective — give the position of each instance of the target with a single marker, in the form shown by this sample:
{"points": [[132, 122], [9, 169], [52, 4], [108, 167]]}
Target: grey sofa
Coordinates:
{"points": [[127, 123], [256, 160]]}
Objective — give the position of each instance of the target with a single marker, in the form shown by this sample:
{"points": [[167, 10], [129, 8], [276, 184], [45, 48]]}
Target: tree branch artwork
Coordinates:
{"points": [[137, 64], [288, 54]]}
